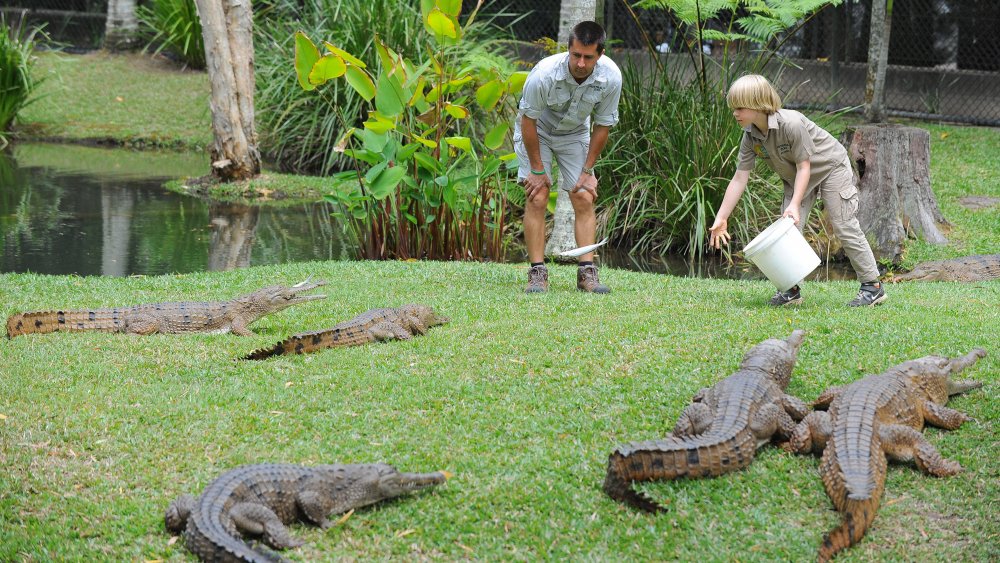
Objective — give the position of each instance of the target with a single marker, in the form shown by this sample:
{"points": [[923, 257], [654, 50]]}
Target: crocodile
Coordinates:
{"points": [[877, 418], [260, 500], [721, 430], [171, 317], [979, 267], [374, 325]]}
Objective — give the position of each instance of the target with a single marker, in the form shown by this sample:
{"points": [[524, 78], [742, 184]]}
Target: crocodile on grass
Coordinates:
{"points": [[979, 267], [873, 419], [721, 430], [259, 500], [170, 317], [374, 325]]}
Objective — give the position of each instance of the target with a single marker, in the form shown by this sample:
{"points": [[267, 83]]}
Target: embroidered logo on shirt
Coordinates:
{"points": [[760, 151], [783, 148]]}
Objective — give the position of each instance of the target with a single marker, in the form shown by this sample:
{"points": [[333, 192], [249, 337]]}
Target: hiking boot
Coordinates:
{"points": [[871, 294], [791, 297], [538, 280], [586, 280]]}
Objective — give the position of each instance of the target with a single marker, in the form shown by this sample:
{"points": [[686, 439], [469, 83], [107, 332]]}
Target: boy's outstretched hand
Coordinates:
{"points": [[719, 234]]}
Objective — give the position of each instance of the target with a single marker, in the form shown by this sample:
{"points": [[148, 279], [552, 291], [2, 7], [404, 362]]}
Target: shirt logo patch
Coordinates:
{"points": [[760, 151], [783, 148]]}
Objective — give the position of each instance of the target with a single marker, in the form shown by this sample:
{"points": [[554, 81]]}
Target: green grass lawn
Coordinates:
{"points": [[521, 397], [131, 100]]}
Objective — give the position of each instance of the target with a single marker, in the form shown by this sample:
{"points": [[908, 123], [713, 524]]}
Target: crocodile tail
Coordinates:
{"points": [[619, 487], [674, 458], [265, 353], [44, 322], [858, 516]]}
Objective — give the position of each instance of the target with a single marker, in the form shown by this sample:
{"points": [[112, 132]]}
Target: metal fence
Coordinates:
{"points": [[944, 55]]}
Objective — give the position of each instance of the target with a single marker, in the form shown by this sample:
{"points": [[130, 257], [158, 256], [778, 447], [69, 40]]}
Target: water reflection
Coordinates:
{"points": [[89, 211]]}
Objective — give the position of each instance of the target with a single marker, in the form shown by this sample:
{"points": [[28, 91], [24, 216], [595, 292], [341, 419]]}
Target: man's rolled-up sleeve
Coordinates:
{"points": [[606, 111], [532, 104]]}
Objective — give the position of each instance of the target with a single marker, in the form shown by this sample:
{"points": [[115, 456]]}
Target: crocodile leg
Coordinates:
{"points": [[142, 324], [826, 397], [694, 420], [388, 331], [942, 416], [795, 407], [178, 512], [902, 443], [255, 519], [812, 434], [771, 420], [239, 327]]}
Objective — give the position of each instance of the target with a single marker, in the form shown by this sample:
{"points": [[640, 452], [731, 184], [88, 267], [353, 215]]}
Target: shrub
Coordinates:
{"points": [[16, 81], [174, 26], [432, 178]]}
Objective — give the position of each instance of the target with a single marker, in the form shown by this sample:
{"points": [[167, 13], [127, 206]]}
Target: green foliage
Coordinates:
{"points": [[675, 148], [432, 179], [17, 83], [173, 25], [299, 129]]}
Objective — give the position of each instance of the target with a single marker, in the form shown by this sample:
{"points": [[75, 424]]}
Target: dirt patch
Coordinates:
{"points": [[978, 201], [145, 62]]}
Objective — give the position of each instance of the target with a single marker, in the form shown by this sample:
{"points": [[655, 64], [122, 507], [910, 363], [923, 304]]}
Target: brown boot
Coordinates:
{"points": [[586, 280], [538, 279]]}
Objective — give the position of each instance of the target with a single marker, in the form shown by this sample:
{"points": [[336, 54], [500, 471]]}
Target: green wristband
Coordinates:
{"points": [[538, 172]]}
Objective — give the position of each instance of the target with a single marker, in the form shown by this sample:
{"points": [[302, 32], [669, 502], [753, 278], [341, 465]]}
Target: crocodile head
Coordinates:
{"points": [[278, 297], [776, 357], [425, 315], [365, 484]]}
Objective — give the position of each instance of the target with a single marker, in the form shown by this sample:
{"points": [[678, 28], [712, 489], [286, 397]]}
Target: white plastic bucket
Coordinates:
{"points": [[782, 253]]}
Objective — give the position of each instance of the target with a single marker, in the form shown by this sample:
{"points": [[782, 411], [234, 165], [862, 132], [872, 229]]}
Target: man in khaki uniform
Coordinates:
{"points": [[810, 163]]}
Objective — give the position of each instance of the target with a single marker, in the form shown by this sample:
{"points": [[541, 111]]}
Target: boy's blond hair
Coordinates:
{"points": [[753, 91]]}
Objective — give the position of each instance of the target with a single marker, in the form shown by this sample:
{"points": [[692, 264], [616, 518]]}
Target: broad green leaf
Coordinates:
{"points": [[374, 171], [442, 181], [386, 182], [349, 58], [361, 82], [456, 84], [490, 166], [326, 68], [441, 24], [373, 141], [306, 55], [450, 196], [389, 96], [456, 111], [410, 217], [427, 162], [359, 214], [407, 151], [489, 94], [389, 58], [428, 219], [463, 143], [515, 82], [496, 136], [418, 93], [363, 155], [378, 124], [450, 7], [426, 142], [508, 156]]}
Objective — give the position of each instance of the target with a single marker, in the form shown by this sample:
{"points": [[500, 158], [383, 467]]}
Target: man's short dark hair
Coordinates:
{"points": [[588, 33]]}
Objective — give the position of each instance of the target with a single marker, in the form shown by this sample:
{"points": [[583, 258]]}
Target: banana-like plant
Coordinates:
{"points": [[433, 152]]}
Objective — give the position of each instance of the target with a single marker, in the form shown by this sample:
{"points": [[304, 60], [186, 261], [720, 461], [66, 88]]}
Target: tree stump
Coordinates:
{"points": [[896, 201]]}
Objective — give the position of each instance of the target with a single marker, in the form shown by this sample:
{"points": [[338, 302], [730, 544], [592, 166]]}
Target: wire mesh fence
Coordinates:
{"points": [[944, 55]]}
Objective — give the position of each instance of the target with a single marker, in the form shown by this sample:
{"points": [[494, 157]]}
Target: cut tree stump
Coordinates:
{"points": [[896, 201]]}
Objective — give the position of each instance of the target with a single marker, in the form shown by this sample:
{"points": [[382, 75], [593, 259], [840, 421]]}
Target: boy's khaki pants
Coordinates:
{"points": [[840, 199]]}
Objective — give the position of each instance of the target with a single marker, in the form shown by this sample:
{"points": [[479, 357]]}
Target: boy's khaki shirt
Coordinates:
{"points": [[791, 138]]}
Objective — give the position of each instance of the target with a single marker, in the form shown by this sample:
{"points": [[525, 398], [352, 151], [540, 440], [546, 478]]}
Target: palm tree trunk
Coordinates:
{"points": [[227, 27], [122, 27]]}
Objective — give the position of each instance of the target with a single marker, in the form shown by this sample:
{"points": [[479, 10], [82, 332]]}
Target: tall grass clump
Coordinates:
{"points": [[16, 81], [299, 130], [676, 147], [174, 26]]}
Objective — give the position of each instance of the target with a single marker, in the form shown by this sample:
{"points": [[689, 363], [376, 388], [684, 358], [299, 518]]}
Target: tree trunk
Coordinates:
{"points": [[563, 237], [896, 200], [878, 58], [234, 228], [226, 28], [121, 29]]}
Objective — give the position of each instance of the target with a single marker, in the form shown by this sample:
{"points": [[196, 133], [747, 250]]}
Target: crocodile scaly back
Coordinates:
{"points": [[720, 431]]}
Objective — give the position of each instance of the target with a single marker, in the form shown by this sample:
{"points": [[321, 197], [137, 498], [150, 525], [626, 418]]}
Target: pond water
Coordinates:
{"points": [[68, 209]]}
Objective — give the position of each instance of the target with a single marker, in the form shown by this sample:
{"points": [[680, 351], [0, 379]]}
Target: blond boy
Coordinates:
{"points": [[810, 163]]}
